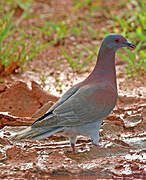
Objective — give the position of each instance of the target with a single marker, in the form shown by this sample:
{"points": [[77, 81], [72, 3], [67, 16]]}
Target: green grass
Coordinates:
{"points": [[132, 24], [78, 59], [24, 5], [15, 51], [54, 31], [17, 47], [80, 3], [136, 60]]}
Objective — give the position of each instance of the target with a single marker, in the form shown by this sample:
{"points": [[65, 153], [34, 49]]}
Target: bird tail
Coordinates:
{"points": [[35, 133]]}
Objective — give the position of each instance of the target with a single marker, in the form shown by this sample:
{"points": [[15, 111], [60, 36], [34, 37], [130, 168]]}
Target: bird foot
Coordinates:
{"points": [[96, 145]]}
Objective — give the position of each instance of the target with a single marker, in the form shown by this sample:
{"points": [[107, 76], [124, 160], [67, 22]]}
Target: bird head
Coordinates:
{"points": [[116, 41]]}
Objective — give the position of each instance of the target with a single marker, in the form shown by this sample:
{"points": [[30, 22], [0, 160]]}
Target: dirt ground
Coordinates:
{"points": [[24, 97], [122, 142]]}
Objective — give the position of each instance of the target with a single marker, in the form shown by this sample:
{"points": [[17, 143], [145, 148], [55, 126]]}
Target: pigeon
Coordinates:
{"points": [[82, 109]]}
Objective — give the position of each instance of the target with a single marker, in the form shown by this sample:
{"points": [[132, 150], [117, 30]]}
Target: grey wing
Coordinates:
{"points": [[89, 104], [67, 95]]}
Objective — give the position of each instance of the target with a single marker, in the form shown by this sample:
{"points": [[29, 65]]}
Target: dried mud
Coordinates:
{"points": [[121, 153]]}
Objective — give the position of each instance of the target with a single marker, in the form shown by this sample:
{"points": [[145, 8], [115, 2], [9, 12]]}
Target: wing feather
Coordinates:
{"points": [[89, 103]]}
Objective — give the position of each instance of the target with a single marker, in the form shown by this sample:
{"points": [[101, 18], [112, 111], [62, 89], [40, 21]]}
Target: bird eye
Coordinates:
{"points": [[116, 40]]}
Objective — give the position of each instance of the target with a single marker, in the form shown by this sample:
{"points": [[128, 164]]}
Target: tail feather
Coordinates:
{"points": [[36, 133]]}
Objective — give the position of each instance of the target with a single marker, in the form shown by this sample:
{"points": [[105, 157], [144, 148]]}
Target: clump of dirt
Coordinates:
{"points": [[20, 100], [2, 87], [121, 153], [21, 105]]}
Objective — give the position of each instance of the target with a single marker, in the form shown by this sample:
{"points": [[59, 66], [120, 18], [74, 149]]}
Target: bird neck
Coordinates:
{"points": [[105, 66]]}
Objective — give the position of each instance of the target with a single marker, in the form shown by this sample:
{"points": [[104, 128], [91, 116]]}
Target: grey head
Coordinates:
{"points": [[116, 41]]}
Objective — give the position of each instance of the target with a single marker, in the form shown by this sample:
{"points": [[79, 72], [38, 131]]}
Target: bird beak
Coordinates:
{"points": [[129, 44]]}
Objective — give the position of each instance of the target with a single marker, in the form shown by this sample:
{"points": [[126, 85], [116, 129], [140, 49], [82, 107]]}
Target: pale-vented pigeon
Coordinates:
{"points": [[82, 109]]}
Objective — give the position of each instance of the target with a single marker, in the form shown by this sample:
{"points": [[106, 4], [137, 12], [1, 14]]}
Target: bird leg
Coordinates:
{"points": [[95, 143], [73, 142], [73, 147]]}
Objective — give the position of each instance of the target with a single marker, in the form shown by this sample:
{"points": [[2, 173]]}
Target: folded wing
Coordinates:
{"points": [[89, 103]]}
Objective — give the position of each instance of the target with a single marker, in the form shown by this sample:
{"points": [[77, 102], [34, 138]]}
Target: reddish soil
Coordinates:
{"points": [[20, 100], [121, 154]]}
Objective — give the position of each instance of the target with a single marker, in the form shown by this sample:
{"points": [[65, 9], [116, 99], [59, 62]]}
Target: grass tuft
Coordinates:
{"points": [[15, 52]]}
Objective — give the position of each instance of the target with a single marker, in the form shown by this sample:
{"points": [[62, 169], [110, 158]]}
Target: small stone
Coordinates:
{"points": [[132, 121], [7, 133], [2, 87], [4, 141]]}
